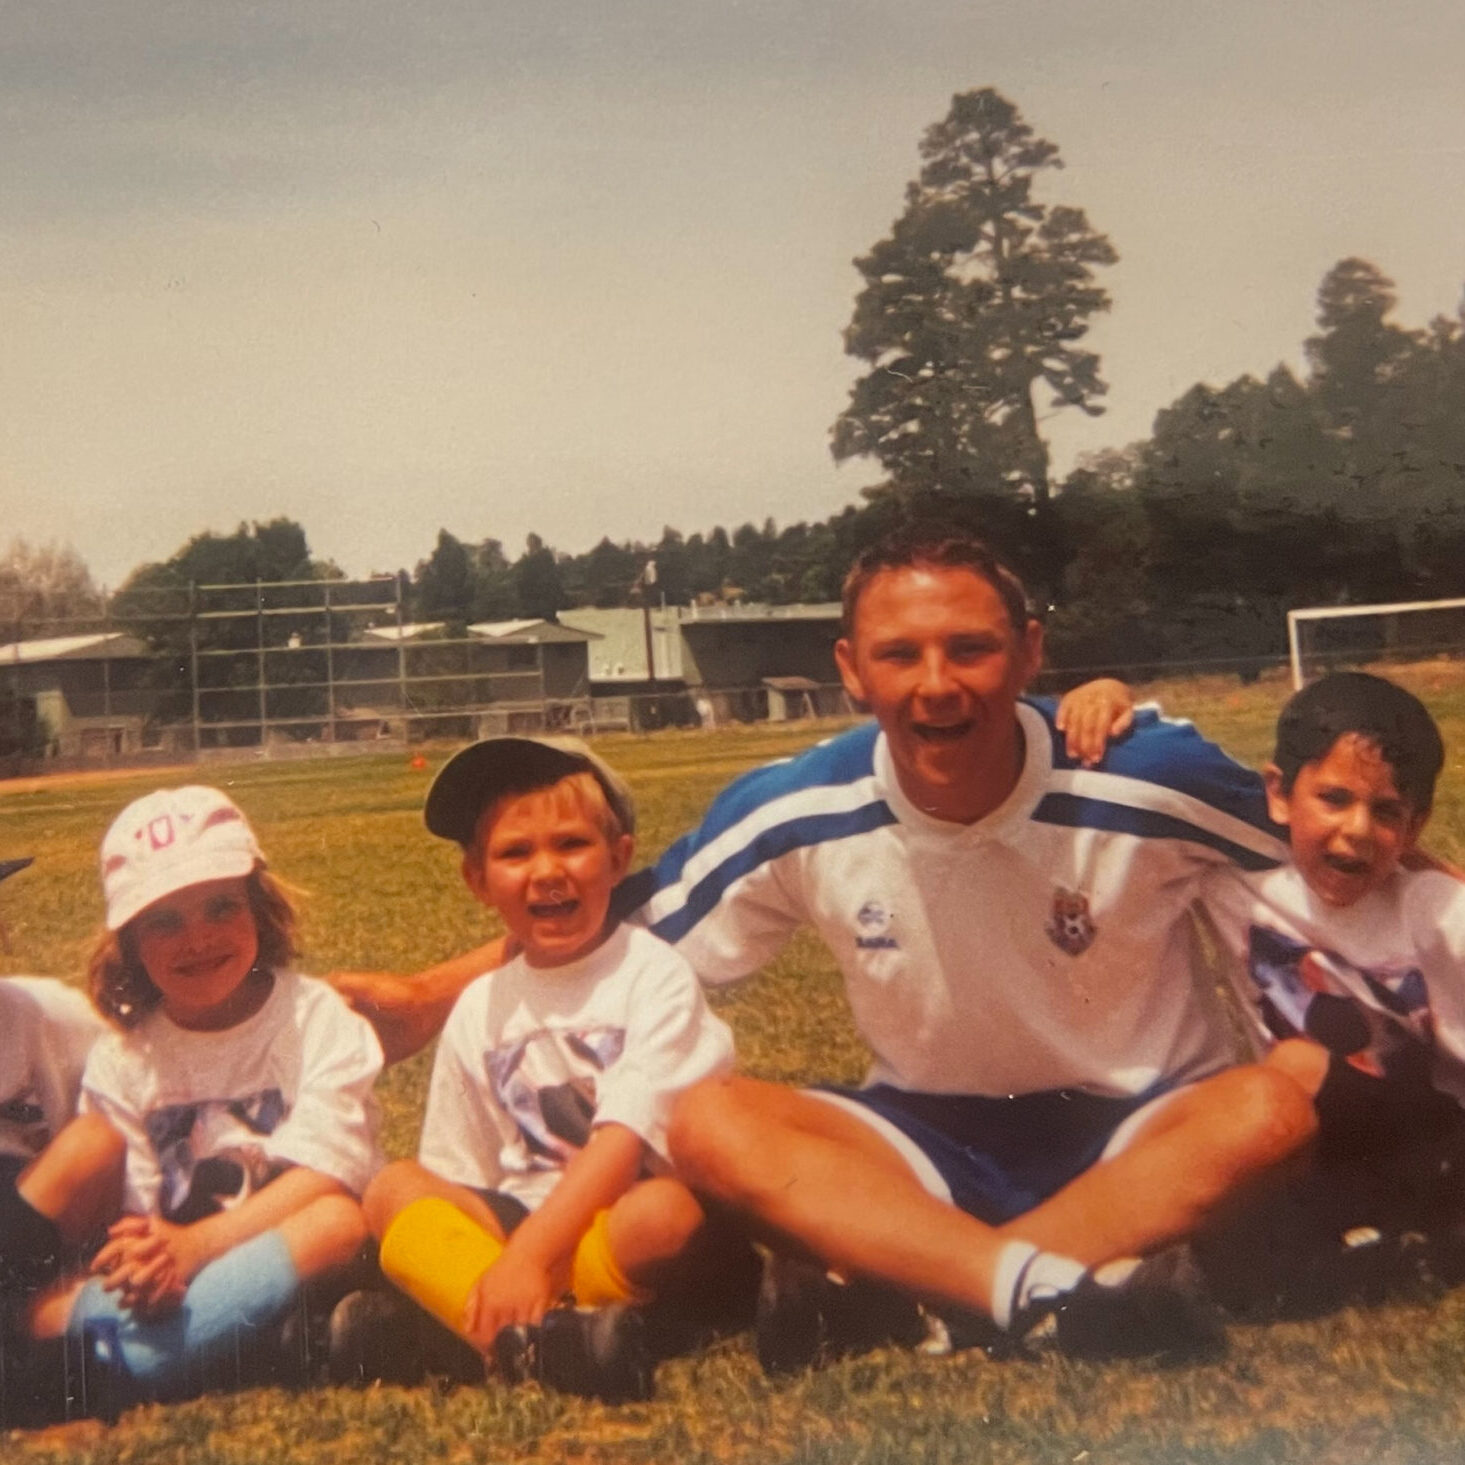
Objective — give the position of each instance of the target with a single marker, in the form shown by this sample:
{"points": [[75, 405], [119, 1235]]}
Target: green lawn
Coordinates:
{"points": [[1365, 1385]]}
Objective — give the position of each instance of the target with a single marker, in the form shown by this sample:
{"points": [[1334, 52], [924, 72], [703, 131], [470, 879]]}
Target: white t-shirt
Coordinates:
{"points": [[210, 1117], [1042, 947], [48, 1030], [532, 1059], [1397, 956]]}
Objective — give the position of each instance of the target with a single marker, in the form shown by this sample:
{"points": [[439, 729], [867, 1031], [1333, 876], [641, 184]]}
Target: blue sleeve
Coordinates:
{"points": [[757, 818], [1164, 780]]}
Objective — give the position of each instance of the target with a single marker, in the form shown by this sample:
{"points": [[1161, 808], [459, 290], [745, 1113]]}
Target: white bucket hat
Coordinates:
{"points": [[169, 840]]}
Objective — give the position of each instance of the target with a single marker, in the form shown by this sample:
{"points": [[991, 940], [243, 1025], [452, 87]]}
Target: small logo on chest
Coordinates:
{"points": [[872, 932], [1070, 927]]}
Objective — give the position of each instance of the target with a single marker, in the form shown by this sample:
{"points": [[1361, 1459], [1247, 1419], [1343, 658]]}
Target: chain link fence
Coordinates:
{"points": [[311, 668]]}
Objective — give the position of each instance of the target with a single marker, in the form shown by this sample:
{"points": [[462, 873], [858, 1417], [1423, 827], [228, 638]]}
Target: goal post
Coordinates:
{"points": [[1377, 644]]}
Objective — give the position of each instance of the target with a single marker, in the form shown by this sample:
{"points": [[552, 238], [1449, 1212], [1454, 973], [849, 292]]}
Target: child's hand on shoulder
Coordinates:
{"points": [[1093, 716], [515, 1289], [149, 1262]]}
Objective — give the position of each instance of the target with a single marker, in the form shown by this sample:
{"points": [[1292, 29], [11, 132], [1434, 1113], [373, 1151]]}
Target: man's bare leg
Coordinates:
{"points": [[809, 1174], [1208, 1144]]}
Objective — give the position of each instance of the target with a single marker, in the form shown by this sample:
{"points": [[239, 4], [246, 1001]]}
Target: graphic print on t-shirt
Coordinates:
{"points": [[547, 1083], [1378, 1020], [208, 1155]]}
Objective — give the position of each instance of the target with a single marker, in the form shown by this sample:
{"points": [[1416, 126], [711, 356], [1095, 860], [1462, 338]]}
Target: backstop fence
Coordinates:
{"points": [[284, 669]]}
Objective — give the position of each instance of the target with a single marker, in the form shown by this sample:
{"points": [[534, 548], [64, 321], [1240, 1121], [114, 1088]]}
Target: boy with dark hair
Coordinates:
{"points": [[1349, 965]]}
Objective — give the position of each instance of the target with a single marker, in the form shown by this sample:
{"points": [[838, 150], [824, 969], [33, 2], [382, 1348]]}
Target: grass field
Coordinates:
{"points": [[1364, 1385]]}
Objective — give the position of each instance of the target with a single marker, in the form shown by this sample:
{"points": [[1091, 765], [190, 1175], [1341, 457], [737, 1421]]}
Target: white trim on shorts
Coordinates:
{"points": [[1124, 1136], [925, 1171], [920, 1162]]}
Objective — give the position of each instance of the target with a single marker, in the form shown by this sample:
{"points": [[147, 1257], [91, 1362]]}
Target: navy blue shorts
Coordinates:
{"points": [[507, 1210], [998, 1157]]}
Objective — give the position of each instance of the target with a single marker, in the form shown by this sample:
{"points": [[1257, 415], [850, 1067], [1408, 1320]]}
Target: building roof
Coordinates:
{"points": [[712, 615], [97, 646], [621, 654], [529, 633], [409, 632]]}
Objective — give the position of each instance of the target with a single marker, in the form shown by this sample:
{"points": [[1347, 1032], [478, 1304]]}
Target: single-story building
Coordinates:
{"points": [[91, 692], [715, 662]]}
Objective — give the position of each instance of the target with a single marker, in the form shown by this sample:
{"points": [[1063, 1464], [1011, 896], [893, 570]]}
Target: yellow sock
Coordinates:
{"points": [[435, 1253], [595, 1276]]}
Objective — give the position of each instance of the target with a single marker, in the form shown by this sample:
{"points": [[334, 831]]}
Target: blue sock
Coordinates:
{"points": [[228, 1308]]}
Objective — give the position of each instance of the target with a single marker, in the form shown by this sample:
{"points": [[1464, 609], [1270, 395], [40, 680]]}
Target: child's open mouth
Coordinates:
{"points": [[951, 732], [549, 910], [1345, 865]]}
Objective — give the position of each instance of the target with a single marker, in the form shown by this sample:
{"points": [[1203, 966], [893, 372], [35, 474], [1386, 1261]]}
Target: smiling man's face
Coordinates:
{"points": [[936, 658]]}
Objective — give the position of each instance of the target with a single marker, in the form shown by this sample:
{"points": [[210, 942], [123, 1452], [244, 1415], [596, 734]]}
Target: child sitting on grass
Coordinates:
{"points": [[542, 1171], [1351, 968], [242, 1093], [49, 1028]]}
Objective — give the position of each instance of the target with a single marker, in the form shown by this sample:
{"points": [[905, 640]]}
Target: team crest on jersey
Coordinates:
{"points": [[1070, 927], [873, 921]]}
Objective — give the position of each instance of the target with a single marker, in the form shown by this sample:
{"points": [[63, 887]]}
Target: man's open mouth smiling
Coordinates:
{"points": [[946, 732]]}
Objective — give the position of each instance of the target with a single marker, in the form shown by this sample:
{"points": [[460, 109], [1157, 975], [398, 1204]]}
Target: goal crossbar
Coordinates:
{"points": [[1331, 612]]}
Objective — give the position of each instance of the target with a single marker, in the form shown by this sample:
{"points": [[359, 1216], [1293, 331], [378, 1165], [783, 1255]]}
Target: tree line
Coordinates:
{"points": [[1343, 485]]}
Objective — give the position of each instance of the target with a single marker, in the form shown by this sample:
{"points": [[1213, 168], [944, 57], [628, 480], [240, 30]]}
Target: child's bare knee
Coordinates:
{"points": [[664, 1214], [393, 1187], [341, 1219]]}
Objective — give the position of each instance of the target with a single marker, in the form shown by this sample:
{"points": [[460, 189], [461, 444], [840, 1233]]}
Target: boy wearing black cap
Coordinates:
{"points": [[542, 1171]]}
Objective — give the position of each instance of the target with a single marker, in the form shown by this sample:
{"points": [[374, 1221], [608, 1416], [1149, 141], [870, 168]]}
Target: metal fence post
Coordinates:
{"points": [[193, 666]]}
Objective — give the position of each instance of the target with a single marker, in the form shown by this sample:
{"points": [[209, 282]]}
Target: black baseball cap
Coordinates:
{"points": [[477, 775]]}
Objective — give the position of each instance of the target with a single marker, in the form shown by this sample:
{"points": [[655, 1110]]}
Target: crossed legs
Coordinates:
{"points": [[811, 1175]]}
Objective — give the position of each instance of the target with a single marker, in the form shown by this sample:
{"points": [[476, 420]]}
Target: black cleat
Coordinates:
{"points": [[596, 1353], [1159, 1304], [375, 1337], [807, 1317]]}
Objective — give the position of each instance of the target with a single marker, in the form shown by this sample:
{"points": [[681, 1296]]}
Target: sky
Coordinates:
{"points": [[582, 267]]}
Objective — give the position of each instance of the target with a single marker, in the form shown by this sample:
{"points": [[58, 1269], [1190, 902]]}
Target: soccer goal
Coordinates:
{"points": [[1323, 638]]}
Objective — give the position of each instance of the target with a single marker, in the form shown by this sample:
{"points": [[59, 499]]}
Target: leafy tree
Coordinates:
{"points": [[708, 561], [157, 600], [608, 572], [494, 597], [445, 582], [977, 300], [537, 583], [673, 568], [1104, 617], [45, 583], [1358, 352]]}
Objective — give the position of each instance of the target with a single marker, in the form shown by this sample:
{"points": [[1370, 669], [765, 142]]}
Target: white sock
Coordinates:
{"points": [[1024, 1276]]}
